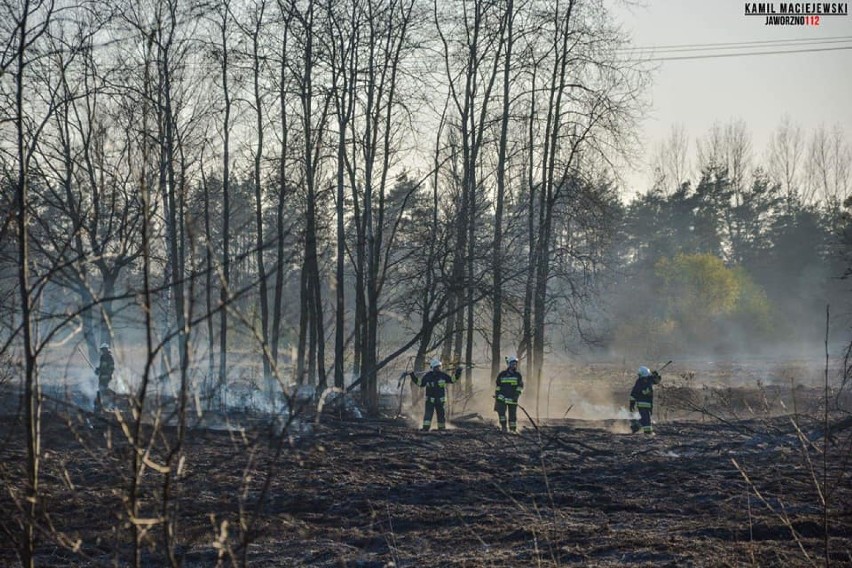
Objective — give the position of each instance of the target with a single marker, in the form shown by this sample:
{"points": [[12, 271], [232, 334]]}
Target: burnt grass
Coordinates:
{"points": [[376, 493]]}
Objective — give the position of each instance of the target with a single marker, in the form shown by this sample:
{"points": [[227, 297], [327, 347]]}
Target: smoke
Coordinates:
{"points": [[569, 393], [589, 411], [71, 384], [88, 385], [595, 392]]}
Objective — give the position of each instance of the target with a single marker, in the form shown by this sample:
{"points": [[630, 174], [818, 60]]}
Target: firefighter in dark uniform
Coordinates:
{"points": [[435, 381], [642, 398], [104, 372], [510, 385]]}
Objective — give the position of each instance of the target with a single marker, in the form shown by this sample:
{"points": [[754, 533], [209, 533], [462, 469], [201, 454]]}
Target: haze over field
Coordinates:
{"points": [[266, 215]]}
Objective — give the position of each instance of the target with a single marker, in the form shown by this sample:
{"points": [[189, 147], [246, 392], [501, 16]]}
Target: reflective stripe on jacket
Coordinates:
{"points": [[435, 383], [510, 385], [643, 392]]}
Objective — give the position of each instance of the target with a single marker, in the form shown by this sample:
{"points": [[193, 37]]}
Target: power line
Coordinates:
{"points": [[745, 53], [742, 45], [745, 43]]}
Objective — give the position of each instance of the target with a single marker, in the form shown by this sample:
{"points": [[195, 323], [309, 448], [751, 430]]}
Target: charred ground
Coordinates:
{"points": [[379, 493]]}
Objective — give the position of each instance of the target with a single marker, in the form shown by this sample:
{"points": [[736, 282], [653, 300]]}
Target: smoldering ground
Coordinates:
{"points": [[379, 493], [596, 394], [572, 488], [592, 391]]}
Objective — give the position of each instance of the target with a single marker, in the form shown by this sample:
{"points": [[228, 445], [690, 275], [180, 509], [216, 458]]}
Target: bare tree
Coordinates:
{"points": [[344, 37], [502, 157], [472, 50], [785, 156], [27, 32], [284, 78], [37, 55], [829, 166], [91, 198], [255, 33], [386, 41], [670, 161], [589, 102], [436, 252], [313, 122], [725, 155], [162, 113], [728, 148], [224, 15]]}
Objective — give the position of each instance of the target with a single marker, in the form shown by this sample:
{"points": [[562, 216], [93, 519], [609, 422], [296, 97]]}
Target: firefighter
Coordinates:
{"points": [[104, 372], [435, 381], [510, 385], [642, 398]]}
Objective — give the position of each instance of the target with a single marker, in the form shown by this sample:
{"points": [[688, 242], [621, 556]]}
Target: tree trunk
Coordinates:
{"points": [[208, 292], [224, 291], [344, 80], [258, 213], [497, 253], [282, 192], [32, 405]]}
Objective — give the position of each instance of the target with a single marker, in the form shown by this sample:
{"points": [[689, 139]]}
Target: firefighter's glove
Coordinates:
{"points": [[459, 371], [632, 406], [656, 378], [412, 375]]}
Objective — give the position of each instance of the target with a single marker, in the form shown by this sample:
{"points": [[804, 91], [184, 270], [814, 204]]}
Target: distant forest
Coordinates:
{"points": [[337, 187], [744, 257]]}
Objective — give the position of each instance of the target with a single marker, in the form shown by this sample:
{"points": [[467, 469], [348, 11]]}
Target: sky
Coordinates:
{"points": [[812, 88]]}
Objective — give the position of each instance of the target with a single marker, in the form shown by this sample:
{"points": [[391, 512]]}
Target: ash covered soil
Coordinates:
{"points": [[381, 493]]}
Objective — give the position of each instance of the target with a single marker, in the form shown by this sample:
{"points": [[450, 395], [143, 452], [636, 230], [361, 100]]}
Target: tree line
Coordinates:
{"points": [[740, 253], [293, 172], [293, 176], [334, 185]]}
